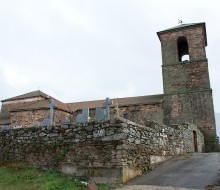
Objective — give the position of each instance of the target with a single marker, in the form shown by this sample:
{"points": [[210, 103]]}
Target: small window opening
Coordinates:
{"points": [[183, 50]]}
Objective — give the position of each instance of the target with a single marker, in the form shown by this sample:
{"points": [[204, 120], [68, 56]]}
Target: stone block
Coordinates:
{"points": [[109, 131]]}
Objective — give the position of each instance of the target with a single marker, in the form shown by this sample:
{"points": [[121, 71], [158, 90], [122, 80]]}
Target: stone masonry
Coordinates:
{"points": [[187, 98], [187, 91], [110, 151]]}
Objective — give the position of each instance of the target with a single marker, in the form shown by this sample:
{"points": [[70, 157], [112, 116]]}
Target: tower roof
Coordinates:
{"points": [[180, 27]]}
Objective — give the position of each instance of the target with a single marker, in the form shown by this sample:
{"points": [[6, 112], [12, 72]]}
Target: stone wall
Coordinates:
{"points": [[188, 132], [28, 118], [141, 113], [60, 115], [189, 75], [136, 113], [109, 151], [13, 104], [193, 107]]}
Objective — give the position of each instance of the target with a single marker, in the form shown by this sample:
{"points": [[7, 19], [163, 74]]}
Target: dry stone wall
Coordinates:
{"points": [[108, 151]]}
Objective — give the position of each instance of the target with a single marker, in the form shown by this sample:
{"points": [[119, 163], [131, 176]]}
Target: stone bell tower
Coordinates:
{"points": [[187, 91]]}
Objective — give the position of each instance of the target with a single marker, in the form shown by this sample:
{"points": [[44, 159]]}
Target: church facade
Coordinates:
{"points": [[187, 94]]}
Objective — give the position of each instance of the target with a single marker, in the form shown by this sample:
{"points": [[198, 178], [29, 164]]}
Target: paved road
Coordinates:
{"points": [[194, 172]]}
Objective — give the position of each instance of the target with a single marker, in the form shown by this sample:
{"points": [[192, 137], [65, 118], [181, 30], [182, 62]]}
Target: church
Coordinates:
{"points": [[187, 95]]}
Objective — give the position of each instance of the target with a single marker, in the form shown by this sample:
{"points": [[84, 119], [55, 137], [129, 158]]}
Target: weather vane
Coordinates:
{"points": [[180, 21]]}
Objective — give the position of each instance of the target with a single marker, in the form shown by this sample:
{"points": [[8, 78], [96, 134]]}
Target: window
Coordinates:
{"points": [[183, 50]]}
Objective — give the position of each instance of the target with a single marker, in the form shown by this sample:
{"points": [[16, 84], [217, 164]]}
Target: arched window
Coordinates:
{"points": [[183, 50]]}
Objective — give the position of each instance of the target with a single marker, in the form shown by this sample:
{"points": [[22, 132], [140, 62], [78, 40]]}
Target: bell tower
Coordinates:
{"points": [[187, 91]]}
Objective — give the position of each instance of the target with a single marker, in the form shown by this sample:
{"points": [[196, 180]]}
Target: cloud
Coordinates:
{"points": [[14, 77], [69, 11], [86, 50]]}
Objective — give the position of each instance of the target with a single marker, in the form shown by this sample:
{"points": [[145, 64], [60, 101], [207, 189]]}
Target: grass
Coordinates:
{"points": [[21, 177]]}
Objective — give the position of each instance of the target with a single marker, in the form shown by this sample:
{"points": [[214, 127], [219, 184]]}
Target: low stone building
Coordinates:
{"points": [[187, 94], [32, 109]]}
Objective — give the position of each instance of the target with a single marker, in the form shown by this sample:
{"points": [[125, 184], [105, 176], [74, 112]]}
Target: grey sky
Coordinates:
{"points": [[90, 49]]}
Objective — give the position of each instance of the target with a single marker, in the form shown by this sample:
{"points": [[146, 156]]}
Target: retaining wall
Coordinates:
{"points": [[108, 151]]}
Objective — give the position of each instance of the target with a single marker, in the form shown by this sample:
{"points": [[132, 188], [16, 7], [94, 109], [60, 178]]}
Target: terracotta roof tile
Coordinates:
{"points": [[44, 104], [36, 93], [39, 104], [138, 100]]}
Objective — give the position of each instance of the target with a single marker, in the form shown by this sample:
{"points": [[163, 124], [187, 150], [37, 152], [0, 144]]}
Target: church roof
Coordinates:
{"points": [[36, 93], [138, 100], [181, 26], [71, 107], [43, 104], [40, 104]]}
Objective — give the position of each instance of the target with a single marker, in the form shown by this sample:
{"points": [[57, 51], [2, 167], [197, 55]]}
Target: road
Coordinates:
{"points": [[193, 172]]}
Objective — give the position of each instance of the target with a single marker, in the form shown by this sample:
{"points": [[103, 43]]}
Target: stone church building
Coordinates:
{"points": [[187, 93]]}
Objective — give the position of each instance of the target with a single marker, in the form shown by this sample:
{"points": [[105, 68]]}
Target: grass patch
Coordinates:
{"points": [[21, 177]]}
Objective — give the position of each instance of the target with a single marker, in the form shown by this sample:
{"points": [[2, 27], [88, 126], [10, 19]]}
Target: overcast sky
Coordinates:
{"points": [[79, 50]]}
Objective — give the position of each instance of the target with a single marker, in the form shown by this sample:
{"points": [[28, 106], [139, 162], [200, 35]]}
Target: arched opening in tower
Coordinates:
{"points": [[183, 50]]}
